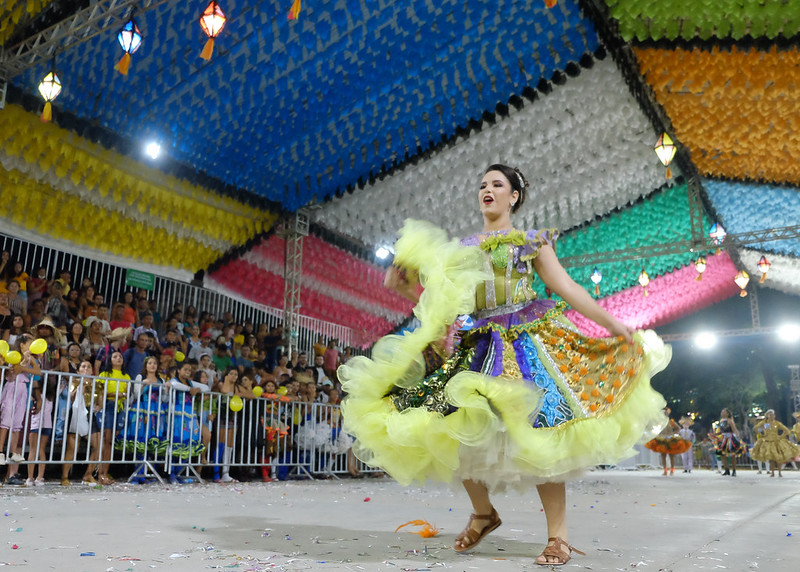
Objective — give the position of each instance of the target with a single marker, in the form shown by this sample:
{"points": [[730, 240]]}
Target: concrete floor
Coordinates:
{"points": [[623, 520]]}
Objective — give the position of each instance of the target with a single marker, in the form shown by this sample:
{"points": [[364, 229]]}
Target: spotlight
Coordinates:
{"points": [[383, 252], [705, 340], [153, 150], [789, 333]]}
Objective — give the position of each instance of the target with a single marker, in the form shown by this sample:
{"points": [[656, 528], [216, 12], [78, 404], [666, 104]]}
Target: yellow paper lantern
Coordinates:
{"points": [[700, 265], [742, 279], [644, 280], [665, 149]]}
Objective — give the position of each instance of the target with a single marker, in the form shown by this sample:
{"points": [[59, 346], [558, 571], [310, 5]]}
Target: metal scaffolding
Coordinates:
{"points": [[294, 229], [794, 385], [84, 25]]}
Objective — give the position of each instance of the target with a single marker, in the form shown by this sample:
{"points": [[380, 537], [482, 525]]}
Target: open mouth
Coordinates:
{"points": [[487, 200]]}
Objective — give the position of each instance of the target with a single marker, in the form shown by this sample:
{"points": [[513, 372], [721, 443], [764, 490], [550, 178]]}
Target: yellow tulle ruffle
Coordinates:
{"points": [[417, 444]]}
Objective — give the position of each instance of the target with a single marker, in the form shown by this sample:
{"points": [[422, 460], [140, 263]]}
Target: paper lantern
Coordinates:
{"points": [[130, 38], [742, 278], [717, 234], [644, 280], [700, 266], [665, 149], [212, 21], [597, 277], [763, 266], [49, 88]]}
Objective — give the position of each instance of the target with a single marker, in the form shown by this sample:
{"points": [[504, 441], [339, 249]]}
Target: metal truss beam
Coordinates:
{"points": [[721, 334], [99, 17], [294, 230], [794, 385], [732, 240]]}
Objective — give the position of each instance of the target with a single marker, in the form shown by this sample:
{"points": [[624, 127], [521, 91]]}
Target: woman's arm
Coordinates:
{"points": [[404, 282], [556, 278], [733, 426]]}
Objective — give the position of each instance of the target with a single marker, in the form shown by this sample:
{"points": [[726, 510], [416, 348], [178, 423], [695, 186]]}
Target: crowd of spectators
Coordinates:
{"points": [[118, 335]]}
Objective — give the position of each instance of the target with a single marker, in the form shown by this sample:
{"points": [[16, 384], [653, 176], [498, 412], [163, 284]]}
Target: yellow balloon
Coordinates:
{"points": [[236, 403], [257, 391], [13, 357], [282, 391], [4, 347], [179, 356], [38, 346]]}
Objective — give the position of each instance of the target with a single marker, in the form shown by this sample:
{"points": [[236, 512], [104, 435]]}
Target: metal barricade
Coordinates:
{"points": [[93, 421]]}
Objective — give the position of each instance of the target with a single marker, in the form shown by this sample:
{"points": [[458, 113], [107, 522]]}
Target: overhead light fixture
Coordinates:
{"points": [[383, 252], [789, 333], [153, 150], [705, 340]]}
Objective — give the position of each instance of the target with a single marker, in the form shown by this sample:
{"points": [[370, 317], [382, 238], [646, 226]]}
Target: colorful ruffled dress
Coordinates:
{"points": [[669, 441], [523, 398], [726, 442], [774, 445]]}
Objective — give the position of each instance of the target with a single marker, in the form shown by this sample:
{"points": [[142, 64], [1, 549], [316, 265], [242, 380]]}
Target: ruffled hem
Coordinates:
{"points": [[489, 436], [779, 451], [669, 446]]}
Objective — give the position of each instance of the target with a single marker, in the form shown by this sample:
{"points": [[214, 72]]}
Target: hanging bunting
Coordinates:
{"points": [[130, 38]]}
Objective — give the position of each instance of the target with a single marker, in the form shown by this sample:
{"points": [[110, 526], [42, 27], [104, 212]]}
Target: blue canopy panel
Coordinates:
{"points": [[293, 110]]}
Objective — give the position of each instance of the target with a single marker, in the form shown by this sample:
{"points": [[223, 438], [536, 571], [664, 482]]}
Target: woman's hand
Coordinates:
{"points": [[617, 328]]}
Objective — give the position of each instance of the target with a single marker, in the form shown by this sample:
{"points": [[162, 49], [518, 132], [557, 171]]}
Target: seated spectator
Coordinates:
{"points": [[56, 308], [74, 335], [302, 364], [117, 342], [207, 366], [222, 358], [197, 351], [173, 342], [244, 362], [93, 340], [331, 360], [142, 308], [16, 302], [282, 368], [319, 346], [128, 308], [15, 331], [136, 355], [318, 372], [147, 326], [37, 285], [36, 311], [73, 308], [65, 279], [118, 318], [86, 303], [51, 358]]}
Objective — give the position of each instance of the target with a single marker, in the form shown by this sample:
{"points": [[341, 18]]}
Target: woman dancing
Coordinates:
{"points": [[729, 445], [517, 397], [774, 446], [669, 442]]}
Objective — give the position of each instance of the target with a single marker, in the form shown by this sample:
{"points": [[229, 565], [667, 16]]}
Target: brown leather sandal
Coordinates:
{"points": [[470, 538], [556, 550]]}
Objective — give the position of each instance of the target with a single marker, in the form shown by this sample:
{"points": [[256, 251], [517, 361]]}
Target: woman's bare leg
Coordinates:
{"points": [[554, 502], [481, 504]]}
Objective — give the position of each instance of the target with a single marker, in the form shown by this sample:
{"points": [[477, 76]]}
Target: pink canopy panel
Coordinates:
{"points": [[335, 286], [670, 297]]}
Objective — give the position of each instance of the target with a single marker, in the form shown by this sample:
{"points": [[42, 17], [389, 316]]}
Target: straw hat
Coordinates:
{"points": [[47, 322], [119, 334]]}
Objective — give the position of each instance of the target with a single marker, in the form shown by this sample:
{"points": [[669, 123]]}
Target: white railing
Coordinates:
{"points": [[155, 431]]}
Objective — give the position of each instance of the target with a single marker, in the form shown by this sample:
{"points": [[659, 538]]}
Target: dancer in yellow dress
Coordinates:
{"points": [[774, 446], [495, 388]]}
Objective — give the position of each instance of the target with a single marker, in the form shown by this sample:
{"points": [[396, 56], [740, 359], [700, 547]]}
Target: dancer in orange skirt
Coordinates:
{"points": [[669, 442]]}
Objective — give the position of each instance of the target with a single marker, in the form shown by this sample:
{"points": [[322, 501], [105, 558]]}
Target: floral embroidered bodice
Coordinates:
{"points": [[508, 255]]}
